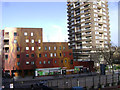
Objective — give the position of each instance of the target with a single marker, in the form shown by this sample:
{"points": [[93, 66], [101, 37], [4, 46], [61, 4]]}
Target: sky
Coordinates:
{"points": [[51, 16]]}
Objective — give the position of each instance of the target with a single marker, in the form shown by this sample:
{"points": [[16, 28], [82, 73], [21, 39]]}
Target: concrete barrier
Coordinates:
{"points": [[81, 82], [74, 82], [109, 79], [88, 81], [96, 81]]}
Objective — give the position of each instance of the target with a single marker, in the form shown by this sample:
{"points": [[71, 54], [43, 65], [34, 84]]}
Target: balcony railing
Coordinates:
{"points": [[6, 43], [6, 51]]}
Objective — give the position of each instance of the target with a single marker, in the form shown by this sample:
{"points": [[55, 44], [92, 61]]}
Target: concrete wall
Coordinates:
{"points": [[88, 82]]}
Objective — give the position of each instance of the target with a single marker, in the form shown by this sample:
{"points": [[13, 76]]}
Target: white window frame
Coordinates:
{"points": [[51, 54], [27, 48], [39, 41], [39, 48], [27, 63], [55, 54], [31, 33], [27, 40], [25, 33], [32, 41], [32, 48]]}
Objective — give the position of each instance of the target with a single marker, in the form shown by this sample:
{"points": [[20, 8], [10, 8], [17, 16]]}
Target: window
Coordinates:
{"points": [[32, 41], [45, 55], [18, 63], [18, 56], [25, 33], [15, 41], [71, 62], [39, 48], [95, 19], [18, 49], [61, 61], [15, 34], [49, 48], [55, 54], [32, 48], [44, 62], [48, 62], [6, 57], [45, 47], [70, 54], [94, 6], [27, 48], [32, 63], [54, 48], [65, 61], [96, 23], [95, 10], [96, 37], [31, 33], [105, 42], [63, 48], [27, 63], [32, 55], [51, 55], [27, 55], [55, 61], [39, 55], [60, 47], [64, 54], [60, 54], [97, 41], [105, 37], [96, 32], [105, 33], [40, 62], [27, 40], [96, 28], [39, 41]]}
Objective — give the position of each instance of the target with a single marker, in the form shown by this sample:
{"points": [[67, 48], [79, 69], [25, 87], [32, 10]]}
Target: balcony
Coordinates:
{"points": [[6, 43], [6, 51]]}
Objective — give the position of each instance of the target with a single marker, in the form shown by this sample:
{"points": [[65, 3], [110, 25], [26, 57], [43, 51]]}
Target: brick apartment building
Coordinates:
{"points": [[25, 53]]}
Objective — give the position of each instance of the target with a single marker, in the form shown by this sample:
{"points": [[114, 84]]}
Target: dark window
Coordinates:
{"points": [[27, 55], [32, 63], [64, 54], [40, 62], [39, 55], [18, 56], [6, 57], [71, 62], [61, 61], [55, 61], [32, 55], [18, 63], [60, 47], [18, 49], [65, 61], [15, 34], [60, 54], [70, 54], [48, 62], [45, 47], [45, 55]]}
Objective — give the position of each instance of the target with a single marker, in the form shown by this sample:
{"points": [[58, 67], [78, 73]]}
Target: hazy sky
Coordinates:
{"points": [[51, 16]]}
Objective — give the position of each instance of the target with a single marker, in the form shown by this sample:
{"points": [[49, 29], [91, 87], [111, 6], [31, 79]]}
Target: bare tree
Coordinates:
{"points": [[105, 55]]}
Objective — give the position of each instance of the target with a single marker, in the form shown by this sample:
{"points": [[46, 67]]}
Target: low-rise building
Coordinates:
{"points": [[25, 53]]}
